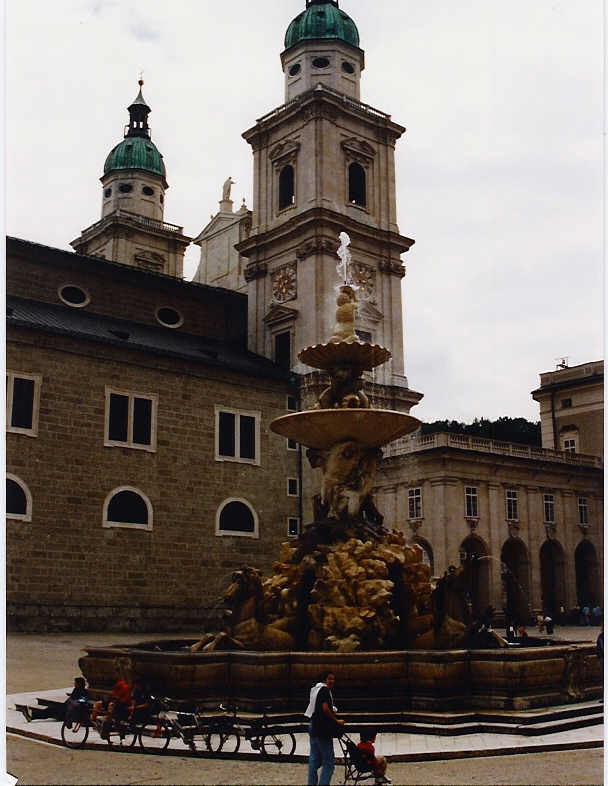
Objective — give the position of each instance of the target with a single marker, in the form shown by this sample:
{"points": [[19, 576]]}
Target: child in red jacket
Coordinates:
{"points": [[366, 746]]}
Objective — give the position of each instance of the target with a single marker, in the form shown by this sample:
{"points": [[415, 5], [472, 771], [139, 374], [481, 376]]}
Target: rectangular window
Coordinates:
{"points": [[130, 420], [549, 508], [511, 500], [570, 445], [292, 444], [282, 349], [237, 435], [583, 511], [292, 404], [415, 503], [566, 403], [293, 527], [471, 509], [292, 487], [22, 403]]}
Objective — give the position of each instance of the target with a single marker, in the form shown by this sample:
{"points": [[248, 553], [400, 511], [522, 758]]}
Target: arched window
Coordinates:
{"points": [[356, 185], [127, 507], [18, 499], [236, 517], [427, 552], [286, 187]]}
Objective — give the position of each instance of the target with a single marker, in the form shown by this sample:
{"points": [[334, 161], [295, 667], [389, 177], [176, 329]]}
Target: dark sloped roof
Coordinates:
{"points": [[67, 321]]}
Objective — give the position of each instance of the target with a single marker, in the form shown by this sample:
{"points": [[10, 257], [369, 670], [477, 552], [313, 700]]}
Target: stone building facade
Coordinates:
{"points": [[532, 516], [571, 400]]}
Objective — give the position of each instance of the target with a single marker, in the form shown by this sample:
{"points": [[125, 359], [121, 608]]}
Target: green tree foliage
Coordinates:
{"points": [[504, 429]]}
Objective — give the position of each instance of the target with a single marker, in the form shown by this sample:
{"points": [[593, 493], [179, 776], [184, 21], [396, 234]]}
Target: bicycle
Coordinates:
{"points": [[75, 733], [270, 743], [224, 734], [155, 734]]}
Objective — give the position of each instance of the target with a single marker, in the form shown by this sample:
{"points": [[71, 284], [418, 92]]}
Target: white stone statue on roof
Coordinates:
{"points": [[226, 188]]}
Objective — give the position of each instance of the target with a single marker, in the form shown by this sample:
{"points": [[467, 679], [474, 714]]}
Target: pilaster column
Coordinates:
{"points": [[496, 526], [536, 532]]}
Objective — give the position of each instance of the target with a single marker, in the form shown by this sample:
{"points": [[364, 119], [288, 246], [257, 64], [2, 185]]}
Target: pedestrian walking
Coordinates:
{"points": [[586, 615], [324, 726]]}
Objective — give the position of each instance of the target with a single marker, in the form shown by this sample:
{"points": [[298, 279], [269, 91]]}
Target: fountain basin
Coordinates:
{"points": [[513, 678], [324, 428]]}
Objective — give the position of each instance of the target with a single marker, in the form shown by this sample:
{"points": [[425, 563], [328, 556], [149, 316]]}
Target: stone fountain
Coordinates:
{"points": [[348, 594]]}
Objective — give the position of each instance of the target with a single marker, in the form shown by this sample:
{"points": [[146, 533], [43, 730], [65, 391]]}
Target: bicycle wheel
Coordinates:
{"points": [[121, 735], [154, 736], [222, 742], [75, 735], [281, 744]]}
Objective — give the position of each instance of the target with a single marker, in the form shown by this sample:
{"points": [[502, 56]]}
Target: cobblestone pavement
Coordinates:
{"points": [[39, 763]]}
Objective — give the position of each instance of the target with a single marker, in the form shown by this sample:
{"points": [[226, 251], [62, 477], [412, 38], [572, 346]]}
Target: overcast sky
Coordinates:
{"points": [[499, 176]]}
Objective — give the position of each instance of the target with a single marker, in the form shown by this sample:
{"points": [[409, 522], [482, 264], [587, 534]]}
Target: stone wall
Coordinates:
{"points": [[64, 569]]}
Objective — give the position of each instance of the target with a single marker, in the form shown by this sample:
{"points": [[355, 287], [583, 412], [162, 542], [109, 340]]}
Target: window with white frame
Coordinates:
{"points": [[237, 435], [583, 511], [127, 507], [293, 527], [18, 499], [471, 506], [236, 516], [570, 445], [22, 402], [292, 487], [549, 508], [511, 503], [414, 503], [292, 444], [130, 419], [292, 404]]}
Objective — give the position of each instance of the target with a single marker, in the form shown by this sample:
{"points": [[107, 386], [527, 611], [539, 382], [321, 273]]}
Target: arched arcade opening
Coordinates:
{"points": [[552, 577], [588, 588], [515, 572], [475, 559]]}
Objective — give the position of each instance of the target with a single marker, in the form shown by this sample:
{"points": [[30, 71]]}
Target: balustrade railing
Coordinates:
{"points": [[352, 102], [153, 223], [414, 443]]}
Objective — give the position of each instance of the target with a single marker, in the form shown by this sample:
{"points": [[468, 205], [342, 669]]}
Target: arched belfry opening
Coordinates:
{"points": [[287, 193], [475, 561], [356, 185], [552, 577], [588, 589], [515, 572]]}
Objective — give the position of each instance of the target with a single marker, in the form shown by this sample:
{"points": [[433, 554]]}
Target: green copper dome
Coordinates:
{"points": [[322, 19], [135, 152]]}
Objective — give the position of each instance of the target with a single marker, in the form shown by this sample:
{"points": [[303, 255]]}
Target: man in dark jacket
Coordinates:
{"points": [[324, 726]]}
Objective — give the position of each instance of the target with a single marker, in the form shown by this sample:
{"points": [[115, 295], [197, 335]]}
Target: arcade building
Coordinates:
{"points": [[141, 470]]}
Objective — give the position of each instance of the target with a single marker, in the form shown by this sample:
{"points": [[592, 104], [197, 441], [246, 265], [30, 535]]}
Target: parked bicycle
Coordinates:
{"points": [[116, 732], [156, 733], [224, 734]]}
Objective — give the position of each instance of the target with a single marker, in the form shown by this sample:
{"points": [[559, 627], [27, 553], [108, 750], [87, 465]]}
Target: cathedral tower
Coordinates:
{"points": [[132, 229], [324, 163]]}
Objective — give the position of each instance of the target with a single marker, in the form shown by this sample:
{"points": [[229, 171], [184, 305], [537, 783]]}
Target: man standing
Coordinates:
{"points": [[324, 726]]}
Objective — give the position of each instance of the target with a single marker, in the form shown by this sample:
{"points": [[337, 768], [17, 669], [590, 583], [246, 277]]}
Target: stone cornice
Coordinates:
{"points": [[328, 223], [323, 102], [255, 270]]}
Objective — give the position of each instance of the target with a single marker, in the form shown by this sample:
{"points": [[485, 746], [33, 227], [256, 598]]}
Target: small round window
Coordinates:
{"points": [[107, 192], [320, 62], [295, 69], [169, 317], [148, 191], [125, 188], [74, 296], [348, 68]]}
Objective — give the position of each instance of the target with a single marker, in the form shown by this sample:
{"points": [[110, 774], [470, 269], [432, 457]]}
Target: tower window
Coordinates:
{"points": [[74, 296], [320, 62], [348, 68], [148, 191], [125, 188], [356, 185], [282, 349], [169, 317], [107, 193], [286, 187], [295, 69]]}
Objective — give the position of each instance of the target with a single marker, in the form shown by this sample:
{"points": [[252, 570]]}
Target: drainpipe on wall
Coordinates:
{"points": [[553, 420]]}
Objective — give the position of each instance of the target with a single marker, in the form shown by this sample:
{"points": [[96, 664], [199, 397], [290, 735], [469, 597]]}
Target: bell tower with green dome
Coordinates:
{"points": [[132, 229], [324, 163]]}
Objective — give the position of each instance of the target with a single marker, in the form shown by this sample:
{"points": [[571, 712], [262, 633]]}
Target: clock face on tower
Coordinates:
{"points": [[364, 277], [284, 283]]}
